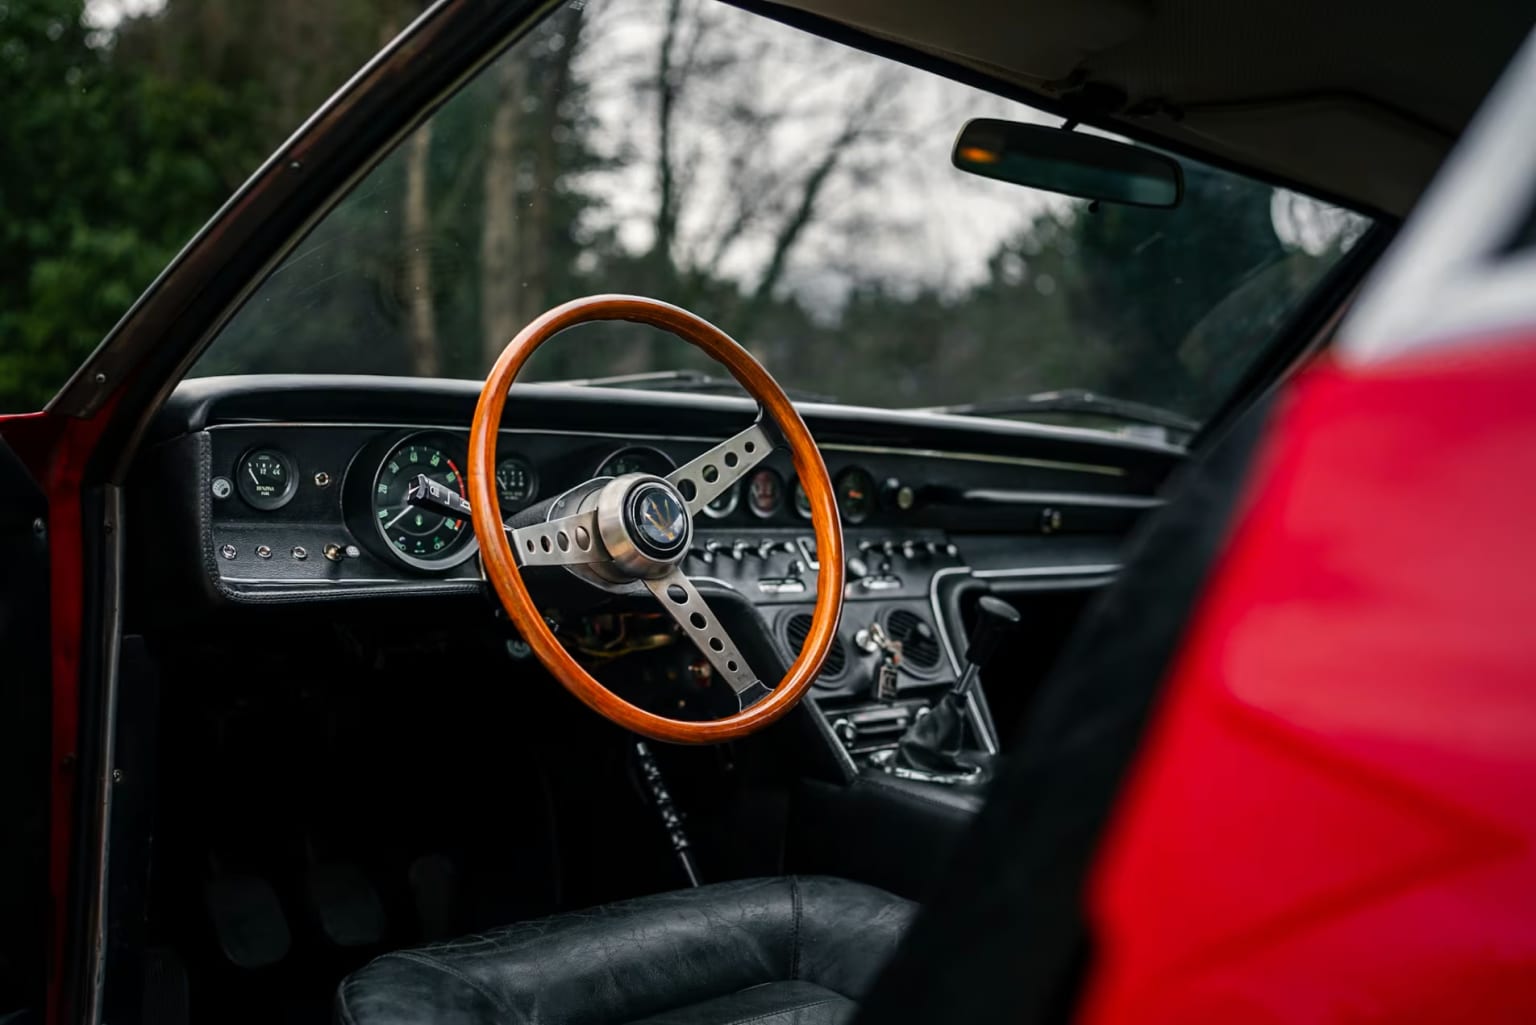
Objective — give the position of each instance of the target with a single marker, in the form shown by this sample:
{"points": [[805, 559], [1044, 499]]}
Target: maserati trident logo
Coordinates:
{"points": [[659, 519]]}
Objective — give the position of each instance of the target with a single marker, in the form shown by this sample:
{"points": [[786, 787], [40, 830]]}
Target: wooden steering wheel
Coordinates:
{"points": [[630, 534]]}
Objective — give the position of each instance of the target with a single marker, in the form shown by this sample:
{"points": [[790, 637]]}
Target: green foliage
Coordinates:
{"points": [[107, 173]]}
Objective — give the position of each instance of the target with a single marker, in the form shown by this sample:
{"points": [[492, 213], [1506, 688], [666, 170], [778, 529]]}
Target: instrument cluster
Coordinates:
{"points": [[261, 482]]}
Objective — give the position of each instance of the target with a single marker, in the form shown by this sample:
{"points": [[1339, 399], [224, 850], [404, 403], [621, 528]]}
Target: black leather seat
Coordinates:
{"points": [[790, 951]]}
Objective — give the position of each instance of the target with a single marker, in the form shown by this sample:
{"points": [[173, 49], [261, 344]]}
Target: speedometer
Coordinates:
{"points": [[419, 536]]}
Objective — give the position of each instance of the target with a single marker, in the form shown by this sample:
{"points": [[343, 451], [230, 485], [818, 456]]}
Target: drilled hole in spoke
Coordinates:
{"points": [[710, 473], [530, 544], [688, 489], [715, 642], [731, 459], [544, 542], [678, 593], [750, 446], [583, 538], [563, 540], [698, 621], [731, 666]]}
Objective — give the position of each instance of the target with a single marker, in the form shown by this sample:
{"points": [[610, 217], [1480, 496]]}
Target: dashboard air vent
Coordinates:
{"points": [[919, 644], [795, 632]]}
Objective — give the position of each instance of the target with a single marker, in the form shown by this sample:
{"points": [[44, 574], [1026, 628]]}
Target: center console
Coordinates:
{"points": [[895, 655]]}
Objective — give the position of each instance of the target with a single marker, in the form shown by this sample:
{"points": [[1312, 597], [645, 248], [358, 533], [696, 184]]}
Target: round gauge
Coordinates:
{"points": [[724, 503], [419, 536], [516, 483], [802, 501], [855, 490], [266, 479], [765, 493], [636, 459]]}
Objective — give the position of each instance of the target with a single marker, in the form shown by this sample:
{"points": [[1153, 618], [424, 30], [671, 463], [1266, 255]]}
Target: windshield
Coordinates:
{"points": [[797, 193]]}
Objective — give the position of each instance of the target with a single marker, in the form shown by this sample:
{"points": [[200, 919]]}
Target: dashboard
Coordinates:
{"points": [[290, 492]]}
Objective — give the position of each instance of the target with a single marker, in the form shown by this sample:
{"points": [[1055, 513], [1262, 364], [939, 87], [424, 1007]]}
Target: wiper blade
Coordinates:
{"points": [[1072, 400], [683, 380]]}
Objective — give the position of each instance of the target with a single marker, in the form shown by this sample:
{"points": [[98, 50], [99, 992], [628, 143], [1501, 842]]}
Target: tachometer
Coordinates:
{"points": [[419, 536], [855, 490], [636, 459]]}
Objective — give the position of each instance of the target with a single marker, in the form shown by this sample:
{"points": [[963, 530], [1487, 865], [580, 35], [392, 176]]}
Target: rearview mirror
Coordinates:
{"points": [[1068, 162]]}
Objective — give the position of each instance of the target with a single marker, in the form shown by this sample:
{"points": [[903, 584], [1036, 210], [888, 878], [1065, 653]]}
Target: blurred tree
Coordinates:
{"points": [[105, 176]]}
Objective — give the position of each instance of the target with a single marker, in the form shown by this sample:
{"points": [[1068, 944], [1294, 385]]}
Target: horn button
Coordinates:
{"points": [[644, 523]]}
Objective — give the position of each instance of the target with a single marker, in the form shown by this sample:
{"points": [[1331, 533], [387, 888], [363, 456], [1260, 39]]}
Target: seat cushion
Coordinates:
{"points": [[794, 949]]}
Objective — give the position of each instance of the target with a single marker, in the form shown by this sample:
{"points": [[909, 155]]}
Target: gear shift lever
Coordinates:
{"points": [[934, 745]]}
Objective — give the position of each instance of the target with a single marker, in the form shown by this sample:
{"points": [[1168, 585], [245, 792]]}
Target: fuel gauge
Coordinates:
{"points": [[266, 479]]}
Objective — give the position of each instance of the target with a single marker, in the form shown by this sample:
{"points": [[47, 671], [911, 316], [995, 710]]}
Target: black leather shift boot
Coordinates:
{"points": [[937, 743]]}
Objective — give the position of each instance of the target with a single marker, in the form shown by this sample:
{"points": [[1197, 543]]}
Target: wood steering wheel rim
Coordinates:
{"points": [[501, 566]]}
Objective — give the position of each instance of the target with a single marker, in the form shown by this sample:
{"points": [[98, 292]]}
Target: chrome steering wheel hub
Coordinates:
{"points": [[644, 524]]}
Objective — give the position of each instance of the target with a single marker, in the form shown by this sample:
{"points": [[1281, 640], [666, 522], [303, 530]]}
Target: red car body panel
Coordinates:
{"points": [[1332, 819]]}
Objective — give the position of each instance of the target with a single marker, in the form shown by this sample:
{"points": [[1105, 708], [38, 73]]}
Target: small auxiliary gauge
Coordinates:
{"points": [[855, 490], [724, 503], [516, 483], [765, 493], [266, 479], [802, 500]]}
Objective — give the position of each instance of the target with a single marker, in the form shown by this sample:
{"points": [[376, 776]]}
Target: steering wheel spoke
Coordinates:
{"points": [[565, 541], [702, 480], [683, 602]]}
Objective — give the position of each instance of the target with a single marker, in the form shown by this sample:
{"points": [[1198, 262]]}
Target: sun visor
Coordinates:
{"points": [[1326, 139]]}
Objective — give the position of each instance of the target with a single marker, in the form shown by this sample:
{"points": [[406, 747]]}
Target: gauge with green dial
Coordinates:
{"points": [[419, 536]]}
